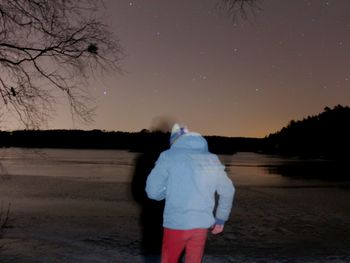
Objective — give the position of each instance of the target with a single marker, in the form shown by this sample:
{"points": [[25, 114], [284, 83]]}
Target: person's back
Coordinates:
{"points": [[188, 176]]}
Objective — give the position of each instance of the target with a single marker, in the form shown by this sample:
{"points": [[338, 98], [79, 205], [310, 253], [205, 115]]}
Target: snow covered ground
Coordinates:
{"points": [[77, 206]]}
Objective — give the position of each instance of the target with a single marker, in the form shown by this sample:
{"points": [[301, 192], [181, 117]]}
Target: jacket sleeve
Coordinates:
{"points": [[157, 180], [225, 190]]}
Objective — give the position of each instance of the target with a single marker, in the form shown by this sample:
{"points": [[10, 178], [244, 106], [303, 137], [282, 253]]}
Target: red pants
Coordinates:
{"points": [[175, 241]]}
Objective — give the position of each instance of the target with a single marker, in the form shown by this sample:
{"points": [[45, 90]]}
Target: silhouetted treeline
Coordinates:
{"points": [[230, 145], [94, 139], [326, 135], [97, 139]]}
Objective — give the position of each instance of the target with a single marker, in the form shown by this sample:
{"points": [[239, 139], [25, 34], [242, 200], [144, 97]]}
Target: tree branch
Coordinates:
{"points": [[239, 8], [51, 45]]}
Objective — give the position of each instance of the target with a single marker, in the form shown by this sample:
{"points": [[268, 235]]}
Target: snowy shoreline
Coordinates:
{"points": [[82, 221], [71, 206]]}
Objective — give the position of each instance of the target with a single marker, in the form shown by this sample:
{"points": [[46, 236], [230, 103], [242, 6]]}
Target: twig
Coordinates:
{"points": [[4, 216]]}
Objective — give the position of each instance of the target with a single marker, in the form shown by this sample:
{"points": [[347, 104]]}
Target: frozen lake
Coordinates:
{"points": [[77, 206], [117, 166]]}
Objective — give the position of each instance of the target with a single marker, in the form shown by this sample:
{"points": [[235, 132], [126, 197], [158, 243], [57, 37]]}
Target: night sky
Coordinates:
{"points": [[188, 62]]}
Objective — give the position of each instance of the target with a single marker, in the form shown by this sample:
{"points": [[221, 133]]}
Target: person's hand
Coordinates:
{"points": [[217, 229]]}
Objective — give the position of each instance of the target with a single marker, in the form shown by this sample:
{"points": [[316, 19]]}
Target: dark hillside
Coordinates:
{"points": [[326, 135]]}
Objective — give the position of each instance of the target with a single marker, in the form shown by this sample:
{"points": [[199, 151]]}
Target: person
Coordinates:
{"points": [[189, 178]]}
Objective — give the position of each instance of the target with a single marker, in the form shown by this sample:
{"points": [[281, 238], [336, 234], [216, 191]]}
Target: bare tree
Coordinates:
{"points": [[48, 46], [239, 8]]}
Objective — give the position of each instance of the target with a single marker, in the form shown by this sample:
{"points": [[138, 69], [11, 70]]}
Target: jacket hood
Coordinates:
{"points": [[191, 141]]}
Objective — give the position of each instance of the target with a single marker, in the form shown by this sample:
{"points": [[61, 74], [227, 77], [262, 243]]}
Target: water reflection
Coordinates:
{"points": [[270, 170], [323, 170]]}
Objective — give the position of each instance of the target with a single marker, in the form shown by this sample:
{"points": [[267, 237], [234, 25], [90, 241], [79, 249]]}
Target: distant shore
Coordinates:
{"points": [[98, 139]]}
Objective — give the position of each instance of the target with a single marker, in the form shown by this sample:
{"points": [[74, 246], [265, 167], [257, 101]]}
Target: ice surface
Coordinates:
{"points": [[77, 206]]}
